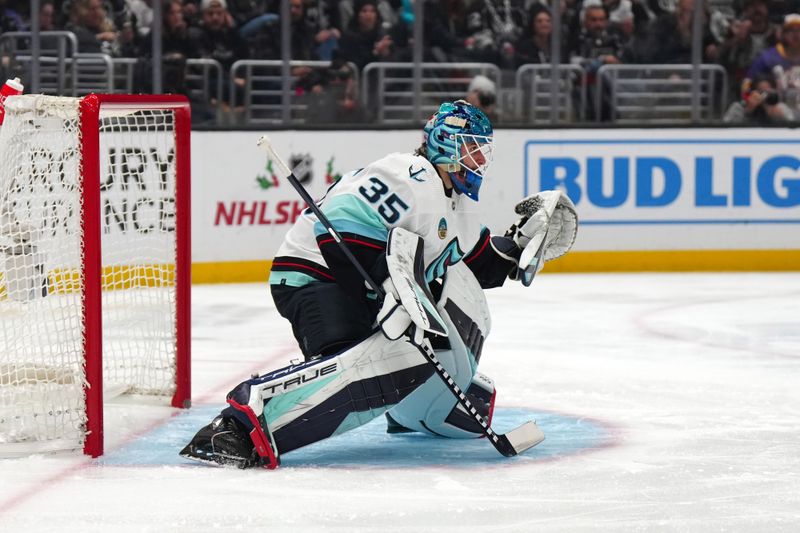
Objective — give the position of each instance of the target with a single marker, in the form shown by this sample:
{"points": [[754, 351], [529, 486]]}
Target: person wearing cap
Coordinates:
{"points": [[482, 93], [782, 57], [216, 37]]}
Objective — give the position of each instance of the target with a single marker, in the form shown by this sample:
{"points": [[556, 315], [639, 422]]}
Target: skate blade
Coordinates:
{"points": [[215, 459]]}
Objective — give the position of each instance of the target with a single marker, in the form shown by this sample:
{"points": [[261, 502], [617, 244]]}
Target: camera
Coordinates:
{"points": [[770, 97]]}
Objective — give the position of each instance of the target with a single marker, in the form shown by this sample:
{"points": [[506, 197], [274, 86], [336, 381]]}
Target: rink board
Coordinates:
{"points": [[648, 200]]}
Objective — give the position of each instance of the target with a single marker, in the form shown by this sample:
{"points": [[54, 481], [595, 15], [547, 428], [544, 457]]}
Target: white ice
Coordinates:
{"points": [[671, 402]]}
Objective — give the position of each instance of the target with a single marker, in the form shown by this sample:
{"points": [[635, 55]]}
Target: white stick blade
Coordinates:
{"points": [[524, 437]]}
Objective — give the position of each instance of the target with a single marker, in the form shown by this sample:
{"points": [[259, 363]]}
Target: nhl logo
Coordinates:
{"points": [[302, 167], [442, 228]]}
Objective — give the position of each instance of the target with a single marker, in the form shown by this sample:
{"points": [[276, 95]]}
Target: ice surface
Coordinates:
{"points": [[670, 403]]}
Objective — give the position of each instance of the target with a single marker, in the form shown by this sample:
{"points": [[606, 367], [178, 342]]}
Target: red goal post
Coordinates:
{"points": [[95, 217]]}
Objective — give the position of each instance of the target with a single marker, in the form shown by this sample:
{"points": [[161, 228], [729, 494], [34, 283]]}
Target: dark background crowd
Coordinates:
{"points": [[756, 41]]}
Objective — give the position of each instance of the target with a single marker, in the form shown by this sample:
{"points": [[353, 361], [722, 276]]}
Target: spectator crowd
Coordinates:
{"points": [[756, 41]]}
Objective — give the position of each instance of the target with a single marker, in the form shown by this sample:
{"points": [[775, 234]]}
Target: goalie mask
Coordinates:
{"points": [[459, 139]]}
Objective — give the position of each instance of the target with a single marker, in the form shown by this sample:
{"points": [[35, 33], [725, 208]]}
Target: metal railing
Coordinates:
{"points": [[94, 73], [204, 80], [388, 88], [56, 70], [124, 74], [620, 94], [534, 96], [658, 93], [260, 90]]}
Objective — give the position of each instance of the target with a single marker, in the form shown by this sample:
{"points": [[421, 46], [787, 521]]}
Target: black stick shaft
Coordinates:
{"points": [[335, 234]]}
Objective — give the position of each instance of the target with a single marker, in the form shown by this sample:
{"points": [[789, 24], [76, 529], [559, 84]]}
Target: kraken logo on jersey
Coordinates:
{"points": [[451, 255], [414, 173], [442, 228]]}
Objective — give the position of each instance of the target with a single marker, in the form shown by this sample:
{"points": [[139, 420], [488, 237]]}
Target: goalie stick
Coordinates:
{"points": [[509, 444]]}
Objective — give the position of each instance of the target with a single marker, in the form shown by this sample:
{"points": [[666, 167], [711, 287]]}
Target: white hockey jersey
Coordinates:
{"points": [[399, 190]]}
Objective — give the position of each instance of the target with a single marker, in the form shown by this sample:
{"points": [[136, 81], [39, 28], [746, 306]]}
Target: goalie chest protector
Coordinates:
{"points": [[399, 190]]}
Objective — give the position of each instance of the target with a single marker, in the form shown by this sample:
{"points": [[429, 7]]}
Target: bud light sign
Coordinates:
{"points": [[683, 179]]}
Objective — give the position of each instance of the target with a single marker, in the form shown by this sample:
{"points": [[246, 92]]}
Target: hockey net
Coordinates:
{"points": [[94, 263]]}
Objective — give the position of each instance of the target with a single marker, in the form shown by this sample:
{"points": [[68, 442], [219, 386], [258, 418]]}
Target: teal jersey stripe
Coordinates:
{"points": [[291, 279], [349, 214]]}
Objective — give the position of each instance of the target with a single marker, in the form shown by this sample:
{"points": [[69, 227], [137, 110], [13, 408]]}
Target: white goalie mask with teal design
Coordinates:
{"points": [[459, 138]]}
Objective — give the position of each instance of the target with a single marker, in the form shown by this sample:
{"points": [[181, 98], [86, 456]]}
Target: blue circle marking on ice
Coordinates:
{"points": [[369, 446]]}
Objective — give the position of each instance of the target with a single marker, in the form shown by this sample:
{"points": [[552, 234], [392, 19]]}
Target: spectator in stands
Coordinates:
{"points": [[596, 45], [387, 10], [176, 42], [217, 38], [307, 37], [176, 46], [762, 105], [482, 93], [778, 9], [93, 28], [783, 58], [669, 38], [324, 14], [445, 30], [494, 26], [142, 13], [47, 17], [366, 40], [622, 16], [656, 8], [751, 34], [331, 95], [534, 47], [191, 12], [308, 40], [248, 11], [10, 19]]}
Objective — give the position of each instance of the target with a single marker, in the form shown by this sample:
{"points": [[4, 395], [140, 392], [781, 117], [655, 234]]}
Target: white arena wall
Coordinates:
{"points": [[648, 199]]}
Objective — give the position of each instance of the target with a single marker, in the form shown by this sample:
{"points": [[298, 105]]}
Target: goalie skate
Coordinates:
{"points": [[224, 443]]}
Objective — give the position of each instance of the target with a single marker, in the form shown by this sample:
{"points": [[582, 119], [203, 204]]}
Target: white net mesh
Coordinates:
{"points": [[41, 347]]}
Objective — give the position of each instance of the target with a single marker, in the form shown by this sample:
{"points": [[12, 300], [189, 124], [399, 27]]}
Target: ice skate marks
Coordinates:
{"points": [[371, 447]]}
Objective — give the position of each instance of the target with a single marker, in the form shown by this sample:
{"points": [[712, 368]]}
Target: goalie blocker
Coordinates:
{"points": [[298, 405]]}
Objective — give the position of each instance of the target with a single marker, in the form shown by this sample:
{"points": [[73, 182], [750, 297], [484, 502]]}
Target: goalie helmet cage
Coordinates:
{"points": [[95, 263]]}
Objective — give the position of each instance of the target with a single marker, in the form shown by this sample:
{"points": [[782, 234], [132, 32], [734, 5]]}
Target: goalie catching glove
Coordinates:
{"points": [[545, 231]]}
